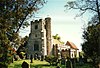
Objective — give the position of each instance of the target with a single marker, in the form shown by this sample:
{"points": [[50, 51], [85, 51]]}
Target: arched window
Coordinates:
{"points": [[36, 46]]}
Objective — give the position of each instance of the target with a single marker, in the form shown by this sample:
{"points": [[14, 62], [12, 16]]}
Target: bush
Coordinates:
{"points": [[16, 57], [52, 60], [22, 55], [3, 65], [69, 64]]}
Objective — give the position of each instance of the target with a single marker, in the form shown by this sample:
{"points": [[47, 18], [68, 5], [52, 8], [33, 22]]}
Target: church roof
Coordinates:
{"points": [[72, 45]]}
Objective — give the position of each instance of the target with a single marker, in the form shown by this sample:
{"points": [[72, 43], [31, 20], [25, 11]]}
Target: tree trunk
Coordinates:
{"points": [[97, 4]]}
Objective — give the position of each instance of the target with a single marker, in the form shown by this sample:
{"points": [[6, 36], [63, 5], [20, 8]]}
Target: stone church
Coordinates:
{"points": [[39, 42]]}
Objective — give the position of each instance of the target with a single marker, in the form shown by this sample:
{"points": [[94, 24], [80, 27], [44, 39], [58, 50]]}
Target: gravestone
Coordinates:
{"points": [[25, 65], [38, 57], [63, 61], [69, 63], [26, 56], [35, 56], [31, 58], [58, 67], [73, 62], [81, 60], [42, 57]]}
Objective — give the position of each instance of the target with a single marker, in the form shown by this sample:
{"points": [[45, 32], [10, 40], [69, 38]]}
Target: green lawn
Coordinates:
{"points": [[35, 64], [85, 65], [42, 64]]}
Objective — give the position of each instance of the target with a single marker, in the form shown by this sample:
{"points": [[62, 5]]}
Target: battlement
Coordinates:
{"points": [[43, 44], [41, 20]]}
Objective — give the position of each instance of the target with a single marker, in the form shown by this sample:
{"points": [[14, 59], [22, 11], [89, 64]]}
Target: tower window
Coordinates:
{"points": [[36, 47], [35, 35], [36, 26], [45, 26]]}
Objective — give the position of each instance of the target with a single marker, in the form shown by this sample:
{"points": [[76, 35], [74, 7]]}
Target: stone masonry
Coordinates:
{"points": [[39, 42]]}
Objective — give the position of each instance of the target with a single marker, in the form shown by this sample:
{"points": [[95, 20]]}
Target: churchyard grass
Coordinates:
{"points": [[35, 64], [42, 64]]}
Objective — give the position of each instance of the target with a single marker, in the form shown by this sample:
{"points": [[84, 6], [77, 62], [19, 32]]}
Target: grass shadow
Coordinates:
{"points": [[42, 66], [17, 66]]}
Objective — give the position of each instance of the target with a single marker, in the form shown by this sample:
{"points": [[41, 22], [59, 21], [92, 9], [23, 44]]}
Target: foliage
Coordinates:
{"points": [[91, 41], [22, 46], [51, 59], [69, 64], [84, 6], [6, 51], [56, 37], [21, 50], [24, 40], [85, 65], [16, 57], [14, 14], [22, 55]]}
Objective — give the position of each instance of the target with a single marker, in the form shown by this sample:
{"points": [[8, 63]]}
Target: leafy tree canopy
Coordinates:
{"points": [[91, 34], [14, 14], [91, 40]]}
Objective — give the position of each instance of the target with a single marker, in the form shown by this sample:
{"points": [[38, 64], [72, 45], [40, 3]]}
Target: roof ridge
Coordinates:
{"points": [[71, 44]]}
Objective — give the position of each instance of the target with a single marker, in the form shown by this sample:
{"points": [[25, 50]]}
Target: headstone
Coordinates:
{"points": [[73, 62], [35, 56], [38, 57], [69, 63], [63, 61], [42, 57], [25, 65], [26, 56], [58, 67], [81, 60], [31, 58]]}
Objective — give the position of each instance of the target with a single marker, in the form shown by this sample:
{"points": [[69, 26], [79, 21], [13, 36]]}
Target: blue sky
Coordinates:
{"points": [[62, 22]]}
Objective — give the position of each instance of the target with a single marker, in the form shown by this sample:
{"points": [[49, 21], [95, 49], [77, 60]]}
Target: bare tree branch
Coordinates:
{"points": [[21, 23]]}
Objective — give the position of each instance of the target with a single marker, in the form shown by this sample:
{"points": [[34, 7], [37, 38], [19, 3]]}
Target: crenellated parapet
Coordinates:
{"points": [[40, 37]]}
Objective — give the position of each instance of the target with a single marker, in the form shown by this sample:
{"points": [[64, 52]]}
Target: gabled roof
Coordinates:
{"points": [[72, 45]]}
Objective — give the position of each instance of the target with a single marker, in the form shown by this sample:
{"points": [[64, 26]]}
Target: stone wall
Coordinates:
{"points": [[48, 35], [40, 37]]}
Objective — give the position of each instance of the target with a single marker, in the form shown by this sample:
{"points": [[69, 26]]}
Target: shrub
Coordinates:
{"points": [[22, 55], [16, 57], [52, 60]]}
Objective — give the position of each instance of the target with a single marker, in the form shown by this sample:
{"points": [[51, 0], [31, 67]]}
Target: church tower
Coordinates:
{"points": [[48, 34], [39, 42]]}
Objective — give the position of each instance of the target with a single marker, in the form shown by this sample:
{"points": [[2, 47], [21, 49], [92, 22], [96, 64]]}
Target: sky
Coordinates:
{"points": [[63, 22]]}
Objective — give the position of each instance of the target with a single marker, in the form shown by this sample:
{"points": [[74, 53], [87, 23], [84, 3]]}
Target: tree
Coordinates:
{"points": [[22, 46], [14, 14], [91, 42], [52, 60], [84, 6], [56, 37], [24, 40]]}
